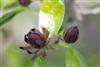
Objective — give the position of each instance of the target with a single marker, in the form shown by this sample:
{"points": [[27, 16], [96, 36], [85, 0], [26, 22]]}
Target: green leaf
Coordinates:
{"points": [[51, 15], [15, 57], [74, 59], [39, 61], [7, 3], [9, 15]]}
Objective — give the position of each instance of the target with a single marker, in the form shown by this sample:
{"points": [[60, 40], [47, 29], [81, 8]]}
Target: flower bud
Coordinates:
{"points": [[71, 35], [24, 2]]}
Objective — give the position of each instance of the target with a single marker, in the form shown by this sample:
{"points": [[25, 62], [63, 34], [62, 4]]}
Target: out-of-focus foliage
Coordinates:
{"points": [[15, 57], [94, 60], [51, 15], [7, 3], [73, 57], [9, 15], [39, 61]]}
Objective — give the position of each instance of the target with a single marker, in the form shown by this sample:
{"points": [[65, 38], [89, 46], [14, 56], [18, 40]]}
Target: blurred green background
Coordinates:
{"points": [[85, 14]]}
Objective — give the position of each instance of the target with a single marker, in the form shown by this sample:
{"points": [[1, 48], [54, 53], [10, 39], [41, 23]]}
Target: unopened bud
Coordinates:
{"points": [[24, 2], [71, 35]]}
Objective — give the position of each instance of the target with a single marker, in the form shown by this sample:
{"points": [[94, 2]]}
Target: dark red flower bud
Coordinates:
{"points": [[24, 2], [71, 35], [35, 39]]}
